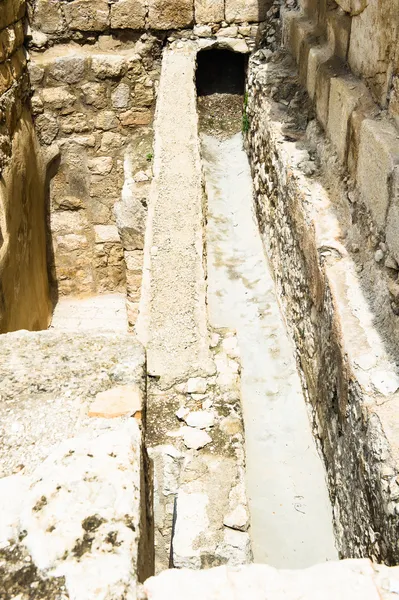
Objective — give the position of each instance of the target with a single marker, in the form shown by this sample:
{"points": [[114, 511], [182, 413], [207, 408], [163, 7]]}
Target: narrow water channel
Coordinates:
{"points": [[291, 521]]}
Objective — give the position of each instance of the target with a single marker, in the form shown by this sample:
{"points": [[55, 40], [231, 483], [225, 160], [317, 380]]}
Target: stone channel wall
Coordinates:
{"points": [[23, 273], [348, 373]]}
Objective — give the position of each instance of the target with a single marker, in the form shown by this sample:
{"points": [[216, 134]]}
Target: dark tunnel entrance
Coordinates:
{"points": [[221, 72]]}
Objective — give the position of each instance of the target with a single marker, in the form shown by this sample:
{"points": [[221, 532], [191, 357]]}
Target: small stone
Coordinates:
{"points": [[196, 385], [215, 339], [101, 165], [230, 346], [200, 419], [117, 402], [237, 519], [386, 382], [195, 438], [120, 97], [391, 263], [140, 177], [378, 256], [182, 413]]}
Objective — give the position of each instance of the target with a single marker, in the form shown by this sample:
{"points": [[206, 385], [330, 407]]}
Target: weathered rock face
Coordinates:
{"points": [[76, 499], [24, 294]]}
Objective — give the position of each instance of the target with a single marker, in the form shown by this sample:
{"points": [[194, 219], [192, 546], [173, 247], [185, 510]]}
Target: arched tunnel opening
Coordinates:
{"points": [[221, 72], [220, 81]]}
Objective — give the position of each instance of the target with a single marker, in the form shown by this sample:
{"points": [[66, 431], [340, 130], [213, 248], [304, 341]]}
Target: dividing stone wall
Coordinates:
{"points": [[93, 108], [23, 273]]}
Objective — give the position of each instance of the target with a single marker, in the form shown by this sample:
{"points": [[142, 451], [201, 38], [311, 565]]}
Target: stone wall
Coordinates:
{"points": [[348, 372], [347, 58], [54, 20], [93, 110], [23, 273]]}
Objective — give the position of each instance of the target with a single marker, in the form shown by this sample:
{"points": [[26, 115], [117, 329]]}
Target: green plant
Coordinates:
{"points": [[149, 156]]}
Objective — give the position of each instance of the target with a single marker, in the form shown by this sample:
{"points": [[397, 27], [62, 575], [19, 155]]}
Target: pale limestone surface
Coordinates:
{"points": [[290, 513], [105, 312], [345, 580], [173, 322]]}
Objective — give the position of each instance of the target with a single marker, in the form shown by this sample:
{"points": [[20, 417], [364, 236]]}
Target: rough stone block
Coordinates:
{"points": [[345, 94], [95, 94], [86, 15], [238, 11], [338, 32], [108, 66], [209, 11], [48, 16], [317, 56], [57, 98], [68, 69], [326, 72], [106, 234], [372, 45], [378, 155], [170, 14], [10, 39], [130, 220], [128, 14]]}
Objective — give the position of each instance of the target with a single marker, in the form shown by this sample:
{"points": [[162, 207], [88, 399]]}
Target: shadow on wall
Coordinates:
{"points": [[51, 170], [24, 289]]}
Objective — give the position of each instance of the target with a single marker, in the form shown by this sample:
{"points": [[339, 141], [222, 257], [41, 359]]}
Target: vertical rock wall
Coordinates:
{"points": [[24, 301]]}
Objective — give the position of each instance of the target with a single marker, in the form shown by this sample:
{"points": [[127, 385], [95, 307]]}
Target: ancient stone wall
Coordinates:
{"points": [[55, 20], [93, 108], [23, 273], [347, 56]]}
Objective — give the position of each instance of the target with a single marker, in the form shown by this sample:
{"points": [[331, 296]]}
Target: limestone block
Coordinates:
{"points": [[48, 16], [238, 11], [57, 98], [74, 525], [132, 118], [373, 43], [130, 219], [108, 66], [47, 128], [338, 32], [209, 11], [111, 141], [128, 14], [317, 56], [86, 15], [170, 14], [354, 7], [345, 93], [68, 69], [120, 96], [95, 94], [378, 155], [75, 123], [101, 165], [106, 234], [107, 120]]}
